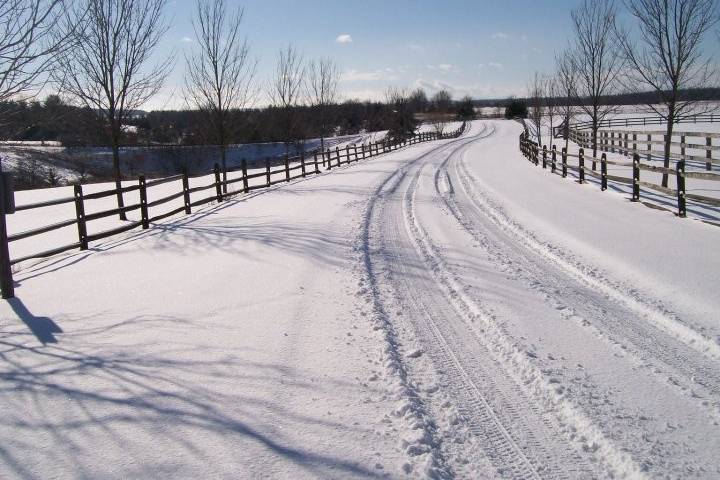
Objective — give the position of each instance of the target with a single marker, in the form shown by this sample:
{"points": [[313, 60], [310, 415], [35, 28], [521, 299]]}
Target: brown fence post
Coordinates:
{"points": [[243, 166], [143, 203], [317, 168], [267, 171], [544, 156], [218, 183], [581, 166], [636, 178], [337, 154], [680, 172], [708, 153], [7, 284], [329, 163], [80, 215], [553, 159], [603, 171], [186, 191], [302, 163], [287, 168], [649, 145], [564, 162]]}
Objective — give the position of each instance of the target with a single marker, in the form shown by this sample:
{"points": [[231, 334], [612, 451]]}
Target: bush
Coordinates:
{"points": [[516, 109]]}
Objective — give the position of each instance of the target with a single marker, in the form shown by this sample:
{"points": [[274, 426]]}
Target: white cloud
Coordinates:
{"points": [[186, 40], [344, 38], [416, 48], [495, 65], [475, 91], [368, 76], [443, 67], [499, 36]]}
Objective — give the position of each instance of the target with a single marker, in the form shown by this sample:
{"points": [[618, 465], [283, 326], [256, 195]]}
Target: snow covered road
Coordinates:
{"points": [[427, 313]]}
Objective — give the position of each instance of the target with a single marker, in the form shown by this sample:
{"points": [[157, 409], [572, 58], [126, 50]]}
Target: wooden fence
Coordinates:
{"points": [[629, 142], [558, 163], [292, 168], [635, 121]]}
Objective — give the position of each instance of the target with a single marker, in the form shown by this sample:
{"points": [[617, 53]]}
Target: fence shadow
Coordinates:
{"points": [[43, 328]]}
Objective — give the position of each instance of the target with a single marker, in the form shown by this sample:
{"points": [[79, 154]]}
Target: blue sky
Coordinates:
{"points": [[484, 48]]}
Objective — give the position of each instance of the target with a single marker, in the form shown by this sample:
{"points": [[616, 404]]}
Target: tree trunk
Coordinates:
{"points": [[116, 173], [223, 150], [595, 129], [668, 141]]}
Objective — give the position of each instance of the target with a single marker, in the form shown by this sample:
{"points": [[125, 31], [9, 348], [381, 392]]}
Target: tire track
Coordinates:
{"points": [[518, 436], [582, 300]]}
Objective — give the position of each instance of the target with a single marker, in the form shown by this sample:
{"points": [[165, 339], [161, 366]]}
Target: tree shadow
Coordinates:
{"points": [[97, 398]]}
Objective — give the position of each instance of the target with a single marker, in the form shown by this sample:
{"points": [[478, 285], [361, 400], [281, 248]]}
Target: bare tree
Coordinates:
{"points": [[668, 56], [536, 104], [401, 121], [109, 68], [438, 122], [28, 43], [323, 76], [285, 90], [441, 101], [595, 61], [553, 109], [219, 77], [566, 78]]}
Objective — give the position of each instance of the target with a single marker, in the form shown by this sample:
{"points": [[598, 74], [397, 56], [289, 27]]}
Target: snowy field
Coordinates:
{"points": [[444, 311]]}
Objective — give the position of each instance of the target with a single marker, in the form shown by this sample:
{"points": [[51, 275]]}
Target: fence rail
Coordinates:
{"points": [[630, 142], [634, 121], [559, 161], [302, 166]]}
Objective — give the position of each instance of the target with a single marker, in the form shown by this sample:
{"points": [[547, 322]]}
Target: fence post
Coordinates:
{"points": [[708, 153], [317, 169], [218, 186], [186, 191], [544, 156], [337, 154], [243, 166], [267, 171], [329, 162], [581, 166], [636, 178], [634, 139], [603, 171], [143, 203], [649, 145], [302, 163], [7, 285], [553, 158], [287, 168], [680, 169], [564, 162], [80, 215]]}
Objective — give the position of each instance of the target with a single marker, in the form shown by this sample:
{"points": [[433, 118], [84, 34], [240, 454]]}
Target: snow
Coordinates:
{"points": [[448, 310]]}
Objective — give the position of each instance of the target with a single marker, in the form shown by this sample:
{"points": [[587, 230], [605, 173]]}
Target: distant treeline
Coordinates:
{"points": [[55, 120], [696, 94]]}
